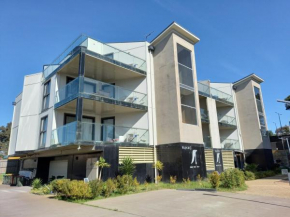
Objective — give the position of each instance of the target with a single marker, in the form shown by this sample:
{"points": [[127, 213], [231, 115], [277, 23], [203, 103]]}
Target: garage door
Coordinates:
{"points": [[58, 169]]}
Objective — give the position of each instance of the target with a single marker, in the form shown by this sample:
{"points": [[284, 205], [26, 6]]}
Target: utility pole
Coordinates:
{"points": [[276, 127], [279, 120]]}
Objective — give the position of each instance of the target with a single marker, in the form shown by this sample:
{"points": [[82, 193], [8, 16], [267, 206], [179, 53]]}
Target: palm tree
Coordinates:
{"points": [[102, 164]]}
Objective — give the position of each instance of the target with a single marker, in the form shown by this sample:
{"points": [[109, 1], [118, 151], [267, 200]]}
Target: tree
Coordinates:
{"points": [[283, 130], [4, 138], [271, 133], [102, 164], [127, 166], [287, 98]]}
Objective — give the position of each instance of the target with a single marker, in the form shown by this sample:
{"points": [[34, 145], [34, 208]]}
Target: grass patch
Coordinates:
{"points": [[1, 178]]}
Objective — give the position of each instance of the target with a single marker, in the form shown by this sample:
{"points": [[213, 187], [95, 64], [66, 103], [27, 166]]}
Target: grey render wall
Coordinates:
{"points": [[170, 127], [167, 120], [248, 116]]}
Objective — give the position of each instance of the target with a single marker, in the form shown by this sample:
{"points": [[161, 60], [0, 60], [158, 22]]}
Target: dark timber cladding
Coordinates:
{"points": [[182, 160]]}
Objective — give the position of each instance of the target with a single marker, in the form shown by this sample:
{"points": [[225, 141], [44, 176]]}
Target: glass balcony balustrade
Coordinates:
{"points": [[107, 52], [226, 120], [204, 115], [214, 93], [230, 144], [97, 88], [96, 134]]}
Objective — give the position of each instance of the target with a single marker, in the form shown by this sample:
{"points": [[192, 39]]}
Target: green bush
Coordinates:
{"points": [[232, 178], [109, 187], [72, 189], [36, 184], [251, 167], [127, 166], [264, 174], [249, 175], [214, 179], [124, 183], [43, 190], [96, 187]]}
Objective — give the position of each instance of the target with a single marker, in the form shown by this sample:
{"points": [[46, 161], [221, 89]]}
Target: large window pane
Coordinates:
{"points": [[187, 97], [184, 56], [259, 105], [188, 115], [262, 120], [188, 106], [257, 93], [46, 95], [185, 75]]}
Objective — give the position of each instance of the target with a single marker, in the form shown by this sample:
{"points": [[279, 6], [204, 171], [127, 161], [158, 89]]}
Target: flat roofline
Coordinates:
{"points": [[175, 26], [250, 77]]}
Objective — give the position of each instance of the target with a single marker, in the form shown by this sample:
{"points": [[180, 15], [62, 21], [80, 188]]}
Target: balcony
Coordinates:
{"points": [[216, 94], [230, 144], [98, 50], [102, 92], [227, 122], [204, 116], [97, 134]]}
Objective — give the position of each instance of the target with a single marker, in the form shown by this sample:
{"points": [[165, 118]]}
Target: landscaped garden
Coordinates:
{"points": [[80, 191]]}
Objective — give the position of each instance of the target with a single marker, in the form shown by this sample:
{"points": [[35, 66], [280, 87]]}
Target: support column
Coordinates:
{"points": [[79, 106]]}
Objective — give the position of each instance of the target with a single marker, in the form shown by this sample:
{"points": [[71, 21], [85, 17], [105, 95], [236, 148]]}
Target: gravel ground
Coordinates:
{"points": [[276, 186]]}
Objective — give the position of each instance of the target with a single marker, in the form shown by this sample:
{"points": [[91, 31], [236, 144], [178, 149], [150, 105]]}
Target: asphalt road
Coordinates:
{"points": [[17, 201]]}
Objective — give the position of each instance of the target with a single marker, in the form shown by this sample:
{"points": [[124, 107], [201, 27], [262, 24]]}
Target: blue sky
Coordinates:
{"points": [[237, 38]]}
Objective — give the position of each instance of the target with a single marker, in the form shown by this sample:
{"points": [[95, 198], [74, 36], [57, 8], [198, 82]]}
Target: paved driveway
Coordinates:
{"points": [[16, 202]]}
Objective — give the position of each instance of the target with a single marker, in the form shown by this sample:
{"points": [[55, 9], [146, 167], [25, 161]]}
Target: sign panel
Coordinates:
{"points": [[218, 160], [284, 171]]}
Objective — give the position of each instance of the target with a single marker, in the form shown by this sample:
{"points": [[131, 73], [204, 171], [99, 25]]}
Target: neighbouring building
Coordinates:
{"points": [[136, 99]]}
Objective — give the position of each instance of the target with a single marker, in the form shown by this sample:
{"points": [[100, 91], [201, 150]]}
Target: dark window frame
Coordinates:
{"points": [[42, 132], [46, 95]]}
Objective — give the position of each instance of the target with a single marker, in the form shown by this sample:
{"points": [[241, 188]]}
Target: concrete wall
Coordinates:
{"points": [[248, 116], [213, 120], [29, 114], [170, 128], [15, 125]]}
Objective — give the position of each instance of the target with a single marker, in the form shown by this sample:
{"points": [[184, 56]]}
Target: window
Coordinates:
{"points": [[184, 66], [188, 109], [46, 94], [257, 93], [187, 98], [43, 129]]}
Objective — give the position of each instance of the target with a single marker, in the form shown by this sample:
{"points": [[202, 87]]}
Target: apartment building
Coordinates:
{"points": [[136, 99]]}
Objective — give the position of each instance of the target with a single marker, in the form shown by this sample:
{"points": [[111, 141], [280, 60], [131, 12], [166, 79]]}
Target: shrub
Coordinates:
{"points": [[109, 187], [96, 187], [186, 181], [159, 167], [249, 175], [135, 184], [251, 167], [232, 178], [264, 174], [72, 189], [124, 183], [159, 178], [36, 184], [214, 179], [46, 189], [173, 179], [127, 166]]}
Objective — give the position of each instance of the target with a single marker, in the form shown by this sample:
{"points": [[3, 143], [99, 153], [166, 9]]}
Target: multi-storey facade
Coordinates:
{"points": [[136, 99]]}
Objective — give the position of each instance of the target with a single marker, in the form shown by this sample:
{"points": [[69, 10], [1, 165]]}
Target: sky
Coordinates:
{"points": [[237, 38]]}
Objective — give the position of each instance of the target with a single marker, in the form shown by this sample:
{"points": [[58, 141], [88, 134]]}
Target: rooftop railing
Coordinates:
{"points": [[230, 144], [97, 88], [214, 93], [96, 133], [227, 120], [108, 52]]}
